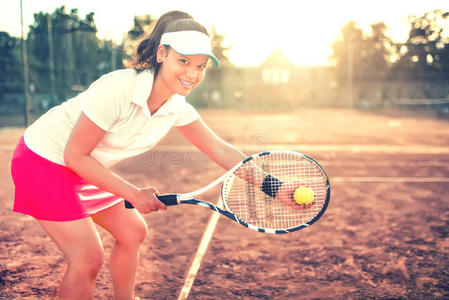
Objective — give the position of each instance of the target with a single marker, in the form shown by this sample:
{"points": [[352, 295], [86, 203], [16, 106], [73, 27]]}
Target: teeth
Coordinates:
{"points": [[188, 84]]}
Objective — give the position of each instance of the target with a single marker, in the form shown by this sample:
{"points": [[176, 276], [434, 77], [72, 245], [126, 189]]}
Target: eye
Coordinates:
{"points": [[184, 61], [202, 67]]}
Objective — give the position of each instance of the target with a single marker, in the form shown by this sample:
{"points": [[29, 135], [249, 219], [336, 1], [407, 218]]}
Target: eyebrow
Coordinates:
{"points": [[189, 59]]}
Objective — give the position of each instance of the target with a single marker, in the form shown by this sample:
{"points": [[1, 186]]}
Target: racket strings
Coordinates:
{"points": [[267, 199], [251, 198], [247, 201]]}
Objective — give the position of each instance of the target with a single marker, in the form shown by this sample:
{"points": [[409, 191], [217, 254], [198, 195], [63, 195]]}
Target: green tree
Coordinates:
{"points": [[427, 47], [364, 55], [10, 64], [142, 25], [348, 51], [379, 49], [66, 54], [218, 47], [361, 58]]}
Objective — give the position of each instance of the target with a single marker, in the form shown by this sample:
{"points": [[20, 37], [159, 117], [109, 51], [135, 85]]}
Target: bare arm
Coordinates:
{"points": [[221, 152], [227, 156], [83, 139], [203, 138]]}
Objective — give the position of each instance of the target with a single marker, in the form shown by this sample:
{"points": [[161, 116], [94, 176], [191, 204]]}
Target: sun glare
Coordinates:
{"points": [[302, 30], [303, 34]]}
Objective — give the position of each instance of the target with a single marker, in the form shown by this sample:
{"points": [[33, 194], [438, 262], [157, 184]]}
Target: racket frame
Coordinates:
{"points": [[189, 198]]}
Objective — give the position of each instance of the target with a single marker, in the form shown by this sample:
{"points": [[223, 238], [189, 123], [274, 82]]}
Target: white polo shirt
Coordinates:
{"points": [[117, 103]]}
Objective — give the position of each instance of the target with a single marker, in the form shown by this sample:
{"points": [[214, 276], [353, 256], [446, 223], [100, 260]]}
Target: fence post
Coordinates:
{"points": [[25, 71]]}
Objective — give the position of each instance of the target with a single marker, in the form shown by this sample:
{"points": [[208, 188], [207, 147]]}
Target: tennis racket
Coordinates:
{"points": [[258, 192]]}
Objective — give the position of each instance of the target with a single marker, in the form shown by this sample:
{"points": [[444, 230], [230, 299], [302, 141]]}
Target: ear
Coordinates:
{"points": [[161, 53]]}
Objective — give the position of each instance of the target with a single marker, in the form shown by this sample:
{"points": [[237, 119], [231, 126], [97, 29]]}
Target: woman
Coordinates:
{"points": [[60, 166]]}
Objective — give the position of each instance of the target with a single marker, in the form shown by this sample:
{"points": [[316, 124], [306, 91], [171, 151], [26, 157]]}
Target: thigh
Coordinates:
{"points": [[76, 239], [127, 226]]}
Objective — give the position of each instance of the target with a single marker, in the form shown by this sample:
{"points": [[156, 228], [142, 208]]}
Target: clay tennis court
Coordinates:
{"points": [[384, 235]]}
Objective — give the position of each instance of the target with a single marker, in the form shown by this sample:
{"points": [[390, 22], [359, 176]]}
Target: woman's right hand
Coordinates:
{"points": [[145, 200]]}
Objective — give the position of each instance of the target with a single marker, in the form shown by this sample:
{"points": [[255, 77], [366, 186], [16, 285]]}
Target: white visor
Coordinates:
{"points": [[190, 42]]}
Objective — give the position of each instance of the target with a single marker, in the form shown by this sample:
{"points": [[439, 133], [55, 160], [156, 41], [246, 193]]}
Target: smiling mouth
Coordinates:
{"points": [[186, 83]]}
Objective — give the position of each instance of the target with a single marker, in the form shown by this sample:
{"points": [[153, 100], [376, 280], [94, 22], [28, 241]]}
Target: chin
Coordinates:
{"points": [[184, 92]]}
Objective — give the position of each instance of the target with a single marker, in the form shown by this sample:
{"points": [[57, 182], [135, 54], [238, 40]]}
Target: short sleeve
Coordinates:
{"points": [[187, 115], [101, 101]]}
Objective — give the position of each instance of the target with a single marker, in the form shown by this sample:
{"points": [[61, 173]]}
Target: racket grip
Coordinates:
{"points": [[168, 199], [128, 204]]}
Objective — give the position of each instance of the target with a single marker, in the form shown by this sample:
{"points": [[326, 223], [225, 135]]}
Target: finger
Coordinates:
{"points": [[161, 205], [148, 209], [294, 205], [153, 207], [301, 206], [144, 211]]}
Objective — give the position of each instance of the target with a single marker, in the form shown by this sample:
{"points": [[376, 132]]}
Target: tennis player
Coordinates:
{"points": [[61, 165]]}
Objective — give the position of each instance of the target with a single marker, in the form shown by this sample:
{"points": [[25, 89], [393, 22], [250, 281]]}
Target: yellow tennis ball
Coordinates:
{"points": [[304, 195]]}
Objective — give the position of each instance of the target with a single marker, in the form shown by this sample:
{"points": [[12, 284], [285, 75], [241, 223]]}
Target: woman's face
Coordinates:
{"points": [[181, 73]]}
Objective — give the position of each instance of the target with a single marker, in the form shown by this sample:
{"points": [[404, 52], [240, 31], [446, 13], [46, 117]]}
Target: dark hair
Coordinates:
{"points": [[145, 55]]}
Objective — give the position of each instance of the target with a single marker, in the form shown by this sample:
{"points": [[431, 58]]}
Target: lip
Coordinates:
{"points": [[186, 84]]}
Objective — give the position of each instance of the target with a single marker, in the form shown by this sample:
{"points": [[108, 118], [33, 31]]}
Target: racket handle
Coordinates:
{"points": [[168, 199], [128, 204]]}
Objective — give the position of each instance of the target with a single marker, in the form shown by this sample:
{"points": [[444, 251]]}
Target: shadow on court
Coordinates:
{"points": [[384, 235]]}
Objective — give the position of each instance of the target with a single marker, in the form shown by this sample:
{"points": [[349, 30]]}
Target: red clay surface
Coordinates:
{"points": [[386, 236]]}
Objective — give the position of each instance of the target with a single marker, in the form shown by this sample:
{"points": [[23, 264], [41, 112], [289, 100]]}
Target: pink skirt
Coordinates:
{"points": [[49, 191]]}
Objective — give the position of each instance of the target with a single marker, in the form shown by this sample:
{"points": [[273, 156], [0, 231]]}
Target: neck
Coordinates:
{"points": [[158, 96]]}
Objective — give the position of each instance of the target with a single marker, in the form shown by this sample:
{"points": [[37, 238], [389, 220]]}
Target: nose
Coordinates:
{"points": [[192, 73]]}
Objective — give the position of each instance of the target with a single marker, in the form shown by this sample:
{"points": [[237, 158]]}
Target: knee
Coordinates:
{"points": [[87, 263], [95, 261], [138, 233], [135, 234]]}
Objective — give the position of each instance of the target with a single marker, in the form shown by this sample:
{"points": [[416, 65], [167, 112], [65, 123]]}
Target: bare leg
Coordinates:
{"points": [[129, 230], [82, 248]]}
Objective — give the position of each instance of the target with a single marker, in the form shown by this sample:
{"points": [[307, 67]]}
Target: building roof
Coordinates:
{"points": [[277, 59]]}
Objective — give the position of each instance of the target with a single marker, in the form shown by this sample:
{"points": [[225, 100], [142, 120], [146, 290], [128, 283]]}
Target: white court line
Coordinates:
{"points": [[349, 148], [196, 262], [389, 179], [384, 163]]}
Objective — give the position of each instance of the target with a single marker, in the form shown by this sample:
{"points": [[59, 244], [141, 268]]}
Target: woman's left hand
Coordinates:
{"points": [[286, 192]]}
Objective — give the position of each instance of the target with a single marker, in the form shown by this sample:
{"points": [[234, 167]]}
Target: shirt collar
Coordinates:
{"points": [[142, 90]]}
